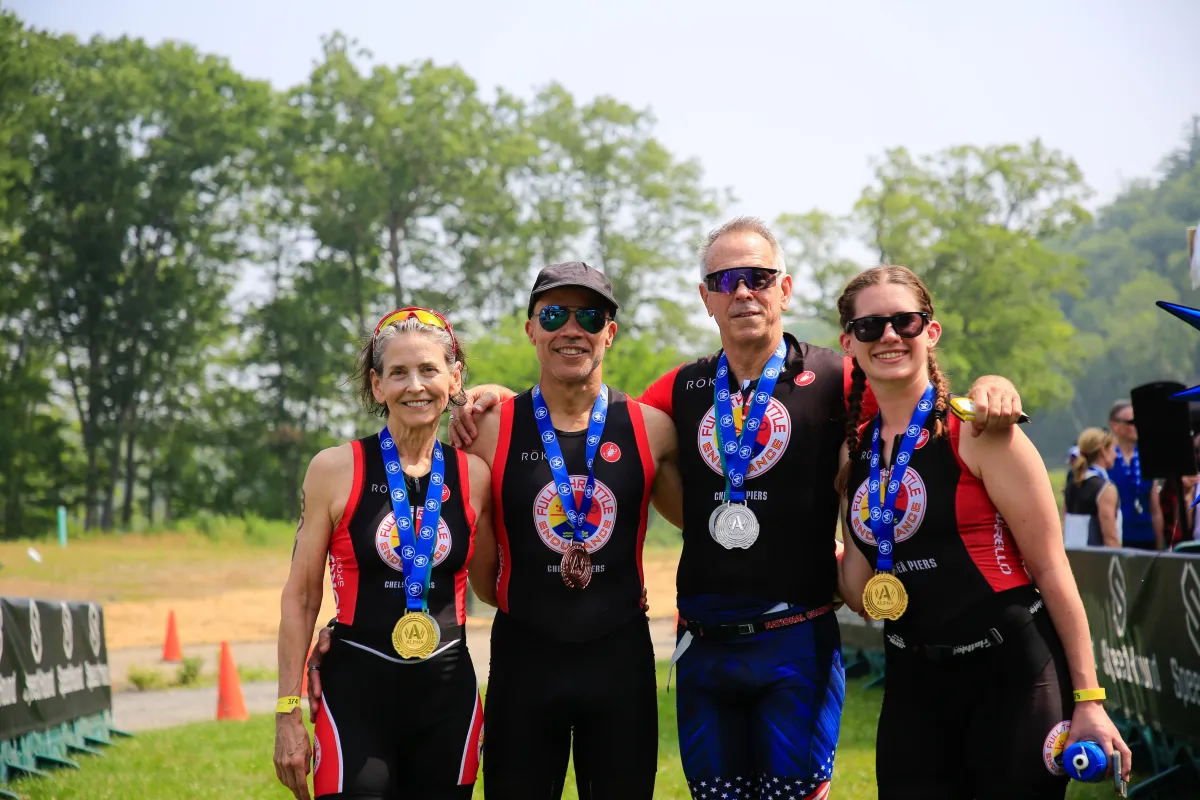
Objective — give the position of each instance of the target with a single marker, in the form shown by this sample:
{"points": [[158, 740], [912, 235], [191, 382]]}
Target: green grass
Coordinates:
{"points": [[143, 564], [233, 760]]}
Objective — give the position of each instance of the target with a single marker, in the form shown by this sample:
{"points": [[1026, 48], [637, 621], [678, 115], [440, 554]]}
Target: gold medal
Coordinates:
{"points": [[416, 635], [885, 597]]}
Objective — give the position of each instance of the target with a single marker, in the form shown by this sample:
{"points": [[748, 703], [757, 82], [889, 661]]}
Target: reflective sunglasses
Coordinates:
{"points": [[592, 320], [906, 324], [425, 316], [727, 280]]}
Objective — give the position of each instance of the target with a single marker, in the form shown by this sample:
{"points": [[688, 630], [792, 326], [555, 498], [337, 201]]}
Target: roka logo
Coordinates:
{"points": [[1116, 590], [1189, 587]]}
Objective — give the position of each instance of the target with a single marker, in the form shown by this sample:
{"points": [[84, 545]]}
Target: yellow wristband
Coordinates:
{"points": [[1089, 694], [286, 704]]}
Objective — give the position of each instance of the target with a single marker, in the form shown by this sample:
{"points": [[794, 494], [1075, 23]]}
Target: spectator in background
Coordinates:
{"points": [[1141, 514], [1187, 530], [1072, 457], [1092, 515]]}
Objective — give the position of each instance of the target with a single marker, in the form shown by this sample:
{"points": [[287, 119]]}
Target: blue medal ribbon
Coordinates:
{"points": [[883, 519], [1135, 468], [416, 549], [558, 465], [737, 449]]}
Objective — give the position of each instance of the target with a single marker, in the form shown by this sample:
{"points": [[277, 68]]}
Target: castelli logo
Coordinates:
{"points": [[922, 439], [610, 452], [805, 378]]}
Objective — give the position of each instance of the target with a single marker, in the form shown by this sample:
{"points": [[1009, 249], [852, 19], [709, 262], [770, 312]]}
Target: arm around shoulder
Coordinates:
{"points": [[667, 494], [483, 570], [487, 437]]}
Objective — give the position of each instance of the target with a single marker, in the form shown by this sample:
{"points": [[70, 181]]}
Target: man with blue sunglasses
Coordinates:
{"points": [[758, 427]]}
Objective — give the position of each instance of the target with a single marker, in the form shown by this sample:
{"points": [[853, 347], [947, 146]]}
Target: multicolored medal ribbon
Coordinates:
{"points": [[732, 524], [884, 596], [576, 565], [417, 634]]}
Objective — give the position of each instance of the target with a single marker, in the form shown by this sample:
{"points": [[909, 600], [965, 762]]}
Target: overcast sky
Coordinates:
{"points": [[785, 103]]}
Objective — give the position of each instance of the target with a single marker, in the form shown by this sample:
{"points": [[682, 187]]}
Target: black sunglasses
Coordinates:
{"points": [[906, 324], [591, 320], [727, 280]]}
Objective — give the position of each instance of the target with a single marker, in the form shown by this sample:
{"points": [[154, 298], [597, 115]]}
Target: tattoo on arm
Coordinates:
{"points": [[299, 525]]}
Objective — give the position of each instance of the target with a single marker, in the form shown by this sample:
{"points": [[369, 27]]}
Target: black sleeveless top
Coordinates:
{"points": [[1081, 500], [364, 567], [953, 551], [789, 484], [532, 531]]}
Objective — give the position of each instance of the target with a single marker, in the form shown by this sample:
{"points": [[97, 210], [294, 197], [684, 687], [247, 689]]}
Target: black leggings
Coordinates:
{"points": [[540, 691], [984, 725], [397, 731]]}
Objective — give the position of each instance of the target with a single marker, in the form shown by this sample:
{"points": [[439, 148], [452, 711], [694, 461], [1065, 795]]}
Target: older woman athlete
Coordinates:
{"points": [[398, 516]]}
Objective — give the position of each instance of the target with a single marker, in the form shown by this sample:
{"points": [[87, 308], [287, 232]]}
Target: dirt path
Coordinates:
{"points": [[251, 614], [138, 711]]}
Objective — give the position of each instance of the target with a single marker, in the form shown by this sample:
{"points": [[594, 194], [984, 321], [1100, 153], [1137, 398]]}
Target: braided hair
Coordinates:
{"points": [[903, 276], [858, 385]]}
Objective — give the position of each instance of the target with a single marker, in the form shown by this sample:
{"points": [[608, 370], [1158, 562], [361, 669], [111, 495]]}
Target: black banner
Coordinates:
{"points": [[53, 664], [1143, 610]]}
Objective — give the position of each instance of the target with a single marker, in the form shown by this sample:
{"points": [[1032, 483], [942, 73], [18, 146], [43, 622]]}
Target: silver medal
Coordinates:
{"points": [[736, 526], [712, 519]]}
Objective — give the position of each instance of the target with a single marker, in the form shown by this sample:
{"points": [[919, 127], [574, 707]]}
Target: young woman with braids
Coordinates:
{"points": [[988, 678], [401, 520]]}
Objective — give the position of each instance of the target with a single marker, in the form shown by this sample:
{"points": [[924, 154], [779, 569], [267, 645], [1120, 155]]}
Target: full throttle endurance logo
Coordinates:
{"points": [[550, 518], [769, 442], [910, 507], [387, 540]]}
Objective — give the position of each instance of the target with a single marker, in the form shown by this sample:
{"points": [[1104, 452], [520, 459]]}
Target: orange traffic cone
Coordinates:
{"points": [[171, 649], [230, 703]]}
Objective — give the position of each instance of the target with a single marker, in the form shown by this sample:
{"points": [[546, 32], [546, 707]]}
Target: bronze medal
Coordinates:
{"points": [[576, 566]]}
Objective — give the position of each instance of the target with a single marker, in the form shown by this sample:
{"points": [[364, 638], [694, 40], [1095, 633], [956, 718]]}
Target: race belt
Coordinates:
{"points": [[731, 630], [938, 652]]}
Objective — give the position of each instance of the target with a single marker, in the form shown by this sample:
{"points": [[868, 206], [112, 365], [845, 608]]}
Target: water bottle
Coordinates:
{"points": [[1085, 762]]}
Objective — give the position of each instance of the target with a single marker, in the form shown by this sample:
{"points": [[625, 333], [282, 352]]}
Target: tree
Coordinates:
{"points": [[33, 451], [602, 189], [1134, 254], [134, 180], [974, 224], [504, 355], [408, 164]]}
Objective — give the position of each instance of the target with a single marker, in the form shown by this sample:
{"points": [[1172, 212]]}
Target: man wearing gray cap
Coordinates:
{"points": [[574, 464]]}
